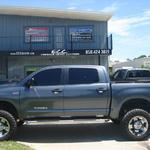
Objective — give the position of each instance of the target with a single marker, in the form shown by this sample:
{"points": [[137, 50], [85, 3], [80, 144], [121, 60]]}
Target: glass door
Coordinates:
{"points": [[59, 37]]}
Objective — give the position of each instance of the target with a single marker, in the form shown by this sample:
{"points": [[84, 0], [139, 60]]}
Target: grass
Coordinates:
{"points": [[10, 145]]}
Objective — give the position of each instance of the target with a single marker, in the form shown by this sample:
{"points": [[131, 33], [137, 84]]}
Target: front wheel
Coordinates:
{"points": [[136, 124], [7, 125]]}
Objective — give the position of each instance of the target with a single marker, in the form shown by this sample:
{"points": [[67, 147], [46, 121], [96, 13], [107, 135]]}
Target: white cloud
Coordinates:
{"points": [[76, 4], [119, 27], [130, 47], [72, 8], [122, 26], [80, 2], [147, 12], [112, 8], [90, 10]]}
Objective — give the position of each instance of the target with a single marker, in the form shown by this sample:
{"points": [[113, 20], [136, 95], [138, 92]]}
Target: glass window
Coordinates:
{"points": [[131, 74], [81, 33], [119, 75], [48, 77], [139, 73], [83, 76], [145, 73]]}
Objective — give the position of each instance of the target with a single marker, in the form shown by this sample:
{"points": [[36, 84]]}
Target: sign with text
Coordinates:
{"points": [[58, 52], [81, 33], [36, 34]]}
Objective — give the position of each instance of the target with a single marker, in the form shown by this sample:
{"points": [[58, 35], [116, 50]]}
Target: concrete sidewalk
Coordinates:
{"points": [[111, 145], [77, 136]]}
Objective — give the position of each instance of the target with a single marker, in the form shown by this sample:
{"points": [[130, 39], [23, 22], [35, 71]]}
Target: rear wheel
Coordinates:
{"points": [[136, 124], [7, 125]]}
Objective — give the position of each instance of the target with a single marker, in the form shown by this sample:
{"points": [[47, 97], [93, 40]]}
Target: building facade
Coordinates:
{"points": [[34, 38]]}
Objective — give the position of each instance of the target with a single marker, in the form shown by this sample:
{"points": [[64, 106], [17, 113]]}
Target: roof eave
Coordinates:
{"points": [[67, 14]]}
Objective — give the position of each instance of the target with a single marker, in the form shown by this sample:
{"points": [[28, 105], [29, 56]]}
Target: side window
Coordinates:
{"points": [[119, 75], [145, 73], [138, 74], [83, 76], [131, 74], [48, 77]]}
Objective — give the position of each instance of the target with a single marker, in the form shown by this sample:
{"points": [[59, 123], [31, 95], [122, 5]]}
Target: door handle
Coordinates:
{"points": [[101, 90], [56, 91]]}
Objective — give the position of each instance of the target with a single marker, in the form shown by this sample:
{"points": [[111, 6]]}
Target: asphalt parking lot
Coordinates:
{"points": [[76, 136]]}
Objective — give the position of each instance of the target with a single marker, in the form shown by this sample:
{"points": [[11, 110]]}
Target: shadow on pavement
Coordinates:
{"points": [[69, 133]]}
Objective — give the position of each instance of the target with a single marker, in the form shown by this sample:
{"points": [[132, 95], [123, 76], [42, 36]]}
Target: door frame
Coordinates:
{"points": [[65, 37], [24, 112]]}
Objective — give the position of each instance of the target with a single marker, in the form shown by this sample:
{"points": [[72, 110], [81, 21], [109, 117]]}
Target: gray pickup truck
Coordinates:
{"points": [[75, 92], [131, 75]]}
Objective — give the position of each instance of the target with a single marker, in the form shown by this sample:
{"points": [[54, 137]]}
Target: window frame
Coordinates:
{"points": [[143, 72], [135, 73], [61, 77], [122, 71], [67, 77]]}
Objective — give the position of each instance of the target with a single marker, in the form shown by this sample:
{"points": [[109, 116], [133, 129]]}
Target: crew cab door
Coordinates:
{"points": [[45, 97], [86, 93]]}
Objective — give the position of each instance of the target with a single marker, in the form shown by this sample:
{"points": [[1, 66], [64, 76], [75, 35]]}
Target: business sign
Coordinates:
{"points": [[58, 52], [36, 34], [81, 33], [97, 52]]}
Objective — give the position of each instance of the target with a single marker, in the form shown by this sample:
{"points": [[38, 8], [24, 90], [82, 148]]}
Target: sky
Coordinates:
{"points": [[130, 24]]}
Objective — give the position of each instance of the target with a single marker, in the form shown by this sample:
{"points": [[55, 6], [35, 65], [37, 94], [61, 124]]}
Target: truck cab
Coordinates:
{"points": [[70, 91]]}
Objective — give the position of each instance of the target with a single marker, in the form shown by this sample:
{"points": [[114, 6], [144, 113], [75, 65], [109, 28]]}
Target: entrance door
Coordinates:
{"points": [[59, 37]]}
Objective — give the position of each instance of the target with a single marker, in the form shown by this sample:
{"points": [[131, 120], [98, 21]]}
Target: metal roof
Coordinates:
{"points": [[44, 12]]}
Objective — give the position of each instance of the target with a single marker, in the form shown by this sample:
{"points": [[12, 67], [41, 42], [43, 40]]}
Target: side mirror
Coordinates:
{"points": [[29, 83]]}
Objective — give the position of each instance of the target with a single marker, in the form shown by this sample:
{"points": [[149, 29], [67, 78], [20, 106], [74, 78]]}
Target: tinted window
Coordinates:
{"points": [[83, 76], [131, 74], [119, 75], [138, 73], [48, 77], [145, 73]]}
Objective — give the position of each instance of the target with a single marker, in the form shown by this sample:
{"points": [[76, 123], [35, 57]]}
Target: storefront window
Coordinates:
{"points": [[36, 34], [81, 33], [31, 69]]}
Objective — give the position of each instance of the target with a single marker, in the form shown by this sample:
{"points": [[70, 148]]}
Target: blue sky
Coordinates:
{"points": [[130, 24]]}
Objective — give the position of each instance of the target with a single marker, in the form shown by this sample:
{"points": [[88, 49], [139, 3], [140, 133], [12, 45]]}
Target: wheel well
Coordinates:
{"points": [[9, 108], [133, 104]]}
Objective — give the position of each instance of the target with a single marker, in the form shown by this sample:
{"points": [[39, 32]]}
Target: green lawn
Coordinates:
{"points": [[9, 145]]}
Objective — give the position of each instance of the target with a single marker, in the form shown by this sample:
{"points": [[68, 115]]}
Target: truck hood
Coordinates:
{"points": [[9, 91], [8, 85]]}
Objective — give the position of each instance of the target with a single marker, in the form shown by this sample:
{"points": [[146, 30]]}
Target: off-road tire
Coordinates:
{"points": [[12, 122], [128, 117]]}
